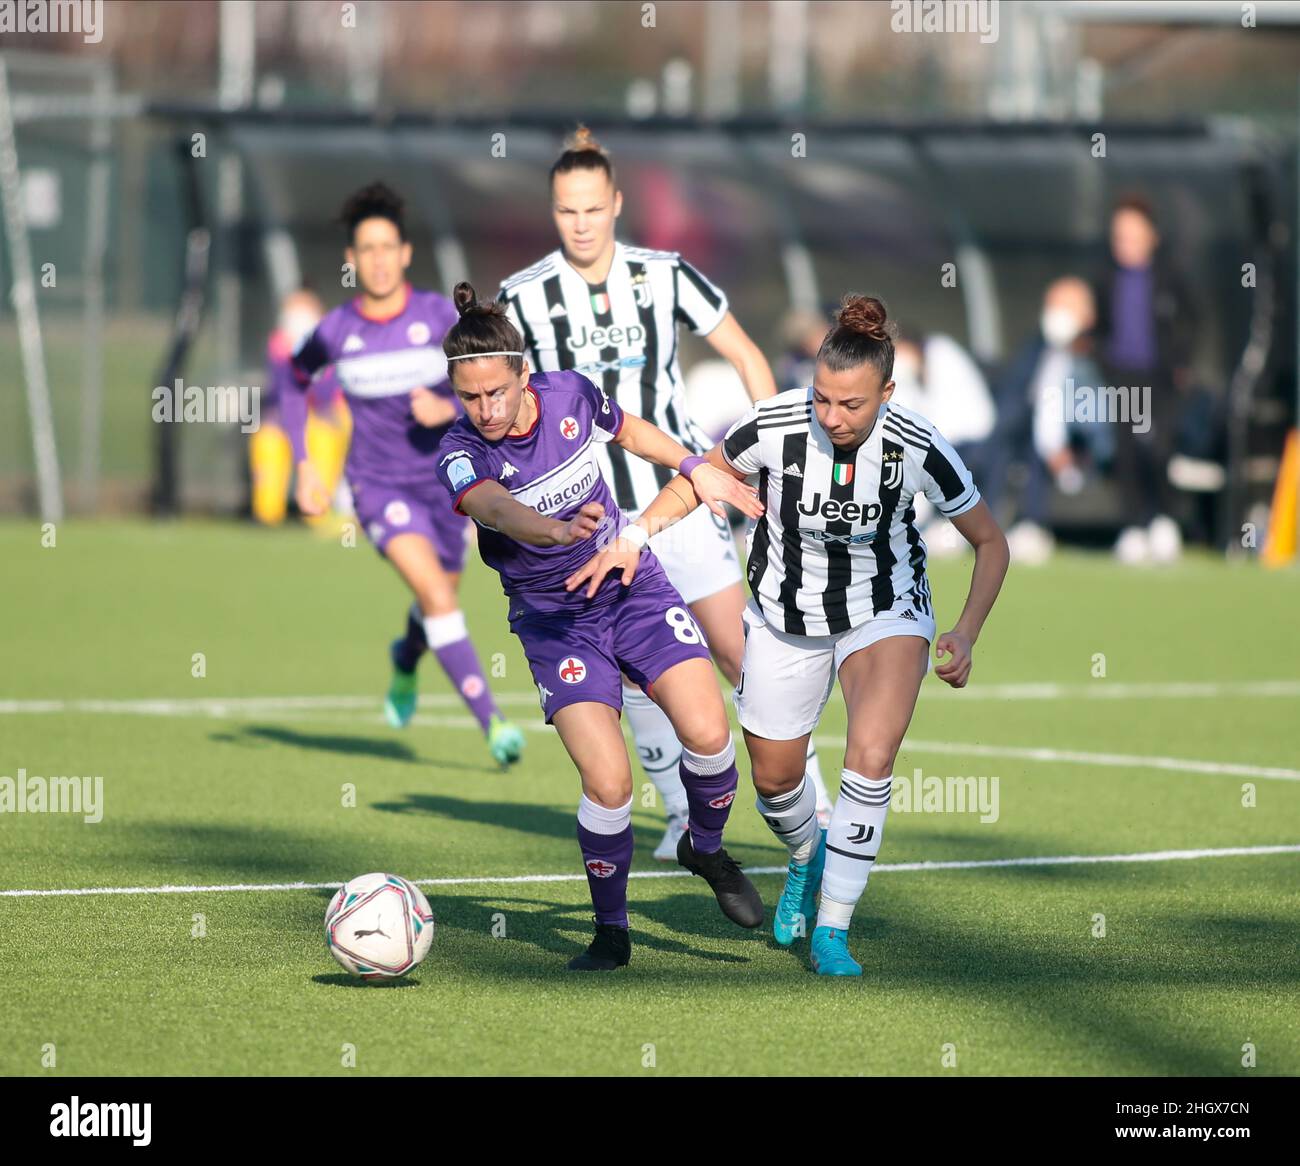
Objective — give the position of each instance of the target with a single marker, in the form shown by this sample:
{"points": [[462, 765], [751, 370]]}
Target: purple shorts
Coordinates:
{"points": [[577, 656], [424, 508]]}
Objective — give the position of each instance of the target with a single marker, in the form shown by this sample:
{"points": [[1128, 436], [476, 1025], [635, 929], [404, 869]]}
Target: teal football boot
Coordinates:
{"points": [[795, 909], [830, 953]]}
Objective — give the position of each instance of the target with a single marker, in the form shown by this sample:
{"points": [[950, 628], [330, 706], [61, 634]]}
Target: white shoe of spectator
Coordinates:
{"points": [[1165, 540], [1030, 544], [1133, 546]]}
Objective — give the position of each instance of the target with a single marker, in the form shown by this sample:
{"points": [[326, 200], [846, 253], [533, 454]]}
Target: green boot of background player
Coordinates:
{"points": [[505, 740]]}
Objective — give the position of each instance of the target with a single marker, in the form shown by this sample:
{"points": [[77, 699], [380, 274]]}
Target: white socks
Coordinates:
{"points": [[658, 748], [852, 844], [441, 630], [792, 817], [601, 820]]}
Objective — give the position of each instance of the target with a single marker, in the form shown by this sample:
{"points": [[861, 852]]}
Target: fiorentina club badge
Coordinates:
{"points": [[572, 670], [600, 303], [569, 428], [600, 868], [843, 474]]}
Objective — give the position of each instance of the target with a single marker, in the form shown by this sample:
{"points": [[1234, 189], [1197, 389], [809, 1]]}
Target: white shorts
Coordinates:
{"points": [[786, 680], [698, 555]]}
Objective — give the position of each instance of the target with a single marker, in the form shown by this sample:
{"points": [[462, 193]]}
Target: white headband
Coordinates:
{"points": [[476, 355]]}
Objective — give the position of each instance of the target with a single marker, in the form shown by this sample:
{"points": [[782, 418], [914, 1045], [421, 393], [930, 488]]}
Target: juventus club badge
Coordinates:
{"points": [[641, 291], [893, 476]]}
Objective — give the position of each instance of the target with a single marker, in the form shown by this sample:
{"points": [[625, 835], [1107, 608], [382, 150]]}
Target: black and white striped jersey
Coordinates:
{"points": [[621, 334], [838, 541]]}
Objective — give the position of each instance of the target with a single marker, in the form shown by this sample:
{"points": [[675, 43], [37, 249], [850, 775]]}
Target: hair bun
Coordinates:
{"points": [[464, 297], [581, 140], [864, 314]]}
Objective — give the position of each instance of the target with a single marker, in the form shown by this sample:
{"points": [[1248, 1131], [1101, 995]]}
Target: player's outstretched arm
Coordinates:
{"points": [[490, 503], [979, 528], [673, 503], [711, 485]]}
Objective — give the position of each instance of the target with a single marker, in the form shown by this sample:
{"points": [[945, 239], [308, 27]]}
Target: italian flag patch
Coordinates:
{"points": [[843, 474]]}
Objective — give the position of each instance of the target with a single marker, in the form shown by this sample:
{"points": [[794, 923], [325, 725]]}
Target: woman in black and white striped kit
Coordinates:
{"points": [[837, 572]]}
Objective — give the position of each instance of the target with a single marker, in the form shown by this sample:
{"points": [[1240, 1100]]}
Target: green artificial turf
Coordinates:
{"points": [[998, 966]]}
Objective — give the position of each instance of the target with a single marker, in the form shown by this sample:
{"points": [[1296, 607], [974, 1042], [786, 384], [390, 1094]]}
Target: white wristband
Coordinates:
{"points": [[638, 536]]}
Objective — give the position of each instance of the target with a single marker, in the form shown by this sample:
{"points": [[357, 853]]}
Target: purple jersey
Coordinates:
{"points": [[378, 362], [551, 469]]}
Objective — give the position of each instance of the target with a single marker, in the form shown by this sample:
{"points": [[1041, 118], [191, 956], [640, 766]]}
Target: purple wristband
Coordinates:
{"points": [[690, 465]]}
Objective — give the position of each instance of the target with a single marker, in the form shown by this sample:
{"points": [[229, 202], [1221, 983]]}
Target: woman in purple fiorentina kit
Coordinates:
{"points": [[522, 464], [385, 347]]}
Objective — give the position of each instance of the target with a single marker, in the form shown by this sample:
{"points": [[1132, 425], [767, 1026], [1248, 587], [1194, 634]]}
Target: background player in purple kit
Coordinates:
{"points": [[522, 463], [386, 349]]}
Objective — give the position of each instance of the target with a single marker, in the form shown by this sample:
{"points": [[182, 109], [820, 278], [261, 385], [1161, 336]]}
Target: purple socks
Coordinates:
{"points": [[710, 789], [605, 837]]}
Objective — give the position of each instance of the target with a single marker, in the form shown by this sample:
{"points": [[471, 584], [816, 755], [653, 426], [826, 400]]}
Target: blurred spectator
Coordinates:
{"points": [[1032, 428], [328, 423], [802, 332], [1146, 326], [936, 377]]}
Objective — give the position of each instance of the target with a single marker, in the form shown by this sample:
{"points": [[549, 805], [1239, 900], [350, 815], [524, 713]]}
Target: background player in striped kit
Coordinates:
{"points": [[386, 349], [522, 464], [837, 571], [611, 311]]}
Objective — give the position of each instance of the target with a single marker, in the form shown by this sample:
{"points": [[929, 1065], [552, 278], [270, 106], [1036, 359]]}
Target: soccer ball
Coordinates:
{"points": [[379, 926]]}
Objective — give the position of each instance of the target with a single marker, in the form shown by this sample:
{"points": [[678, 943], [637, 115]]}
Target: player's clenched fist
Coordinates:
{"points": [[956, 669]]}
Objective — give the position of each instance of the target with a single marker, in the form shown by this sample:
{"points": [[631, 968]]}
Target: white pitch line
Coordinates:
{"points": [[263, 705], [1108, 760], [313, 708], [508, 880]]}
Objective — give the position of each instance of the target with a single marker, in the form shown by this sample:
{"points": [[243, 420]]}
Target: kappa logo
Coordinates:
{"points": [[723, 802], [545, 693], [600, 868], [508, 471], [569, 428], [353, 344], [572, 670], [793, 471]]}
